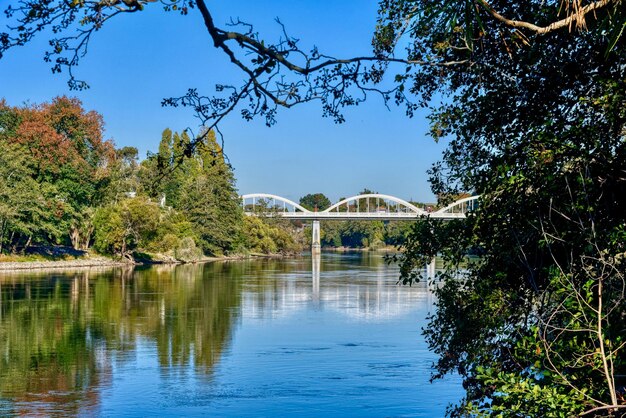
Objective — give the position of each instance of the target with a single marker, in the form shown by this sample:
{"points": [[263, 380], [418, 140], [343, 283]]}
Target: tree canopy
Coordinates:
{"points": [[57, 163], [62, 184], [537, 128], [280, 74], [315, 201]]}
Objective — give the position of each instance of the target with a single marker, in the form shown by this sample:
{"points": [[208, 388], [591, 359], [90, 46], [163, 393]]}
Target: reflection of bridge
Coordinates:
{"points": [[372, 294], [361, 207]]}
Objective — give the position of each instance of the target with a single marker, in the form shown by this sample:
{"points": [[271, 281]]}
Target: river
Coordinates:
{"points": [[295, 337]]}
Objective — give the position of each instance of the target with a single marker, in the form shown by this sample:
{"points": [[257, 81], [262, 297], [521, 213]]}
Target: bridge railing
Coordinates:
{"points": [[358, 216], [374, 203], [268, 202], [464, 205], [368, 206]]}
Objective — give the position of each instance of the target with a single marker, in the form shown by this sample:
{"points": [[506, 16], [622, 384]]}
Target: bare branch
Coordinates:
{"points": [[577, 17]]}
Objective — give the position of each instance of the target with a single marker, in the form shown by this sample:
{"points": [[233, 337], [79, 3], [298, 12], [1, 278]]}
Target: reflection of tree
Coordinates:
{"points": [[52, 327], [193, 310], [48, 352]]}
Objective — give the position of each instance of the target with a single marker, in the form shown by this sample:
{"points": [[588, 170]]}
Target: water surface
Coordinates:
{"points": [[329, 337]]}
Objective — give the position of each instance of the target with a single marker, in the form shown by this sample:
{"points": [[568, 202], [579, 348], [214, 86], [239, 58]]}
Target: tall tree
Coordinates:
{"points": [[210, 199], [64, 151], [201, 186], [316, 201]]}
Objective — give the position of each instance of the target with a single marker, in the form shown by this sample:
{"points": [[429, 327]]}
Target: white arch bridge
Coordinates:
{"points": [[360, 207]]}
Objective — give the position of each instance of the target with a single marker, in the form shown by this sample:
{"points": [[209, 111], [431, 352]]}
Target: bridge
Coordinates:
{"points": [[379, 207]]}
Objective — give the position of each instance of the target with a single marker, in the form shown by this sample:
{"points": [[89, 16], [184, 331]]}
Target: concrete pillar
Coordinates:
{"points": [[316, 246], [431, 269]]}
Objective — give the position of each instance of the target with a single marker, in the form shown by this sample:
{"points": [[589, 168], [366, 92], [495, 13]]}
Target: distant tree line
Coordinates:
{"points": [[62, 183]]}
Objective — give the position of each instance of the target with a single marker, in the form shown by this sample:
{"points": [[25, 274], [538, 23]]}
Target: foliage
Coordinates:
{"points": [[59, 182], [63, 161], [362, 234], [259, 236], [122, 176], [202, 187], [353, 234], [186, 250], [21, 203], [124, 227], [537, 129], [316, 201], [534, 106]]}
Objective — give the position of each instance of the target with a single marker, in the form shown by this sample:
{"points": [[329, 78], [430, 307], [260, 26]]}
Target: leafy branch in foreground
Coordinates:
{"points": [[535, 325], [282, 74]]}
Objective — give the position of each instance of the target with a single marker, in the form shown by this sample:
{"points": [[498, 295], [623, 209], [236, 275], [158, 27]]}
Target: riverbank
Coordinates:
{"points": [[55, 264], [35, 263]]}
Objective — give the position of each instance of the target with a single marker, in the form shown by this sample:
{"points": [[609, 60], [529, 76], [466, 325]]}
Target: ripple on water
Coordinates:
{"points": [[251, 338]]}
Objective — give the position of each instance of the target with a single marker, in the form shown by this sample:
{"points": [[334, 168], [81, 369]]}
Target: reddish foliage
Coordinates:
{"points": [[62, 132]]}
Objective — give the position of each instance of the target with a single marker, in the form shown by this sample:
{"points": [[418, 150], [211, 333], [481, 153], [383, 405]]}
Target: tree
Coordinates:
{"points": [[201, 187], [282, 75], [317, 201], [537, 129], [122, 228], [122, 175], [64, 152], [261, 237], [211, 201], [22, 205], [368, 234]]}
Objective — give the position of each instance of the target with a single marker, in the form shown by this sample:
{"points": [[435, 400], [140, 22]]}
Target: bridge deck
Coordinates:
{"points": [[361, 216]]}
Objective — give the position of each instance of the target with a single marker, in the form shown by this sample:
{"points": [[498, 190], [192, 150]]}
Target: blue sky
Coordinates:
{"points": [[138, 59]]}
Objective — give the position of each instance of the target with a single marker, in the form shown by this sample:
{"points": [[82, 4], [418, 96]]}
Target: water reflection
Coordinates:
{"points": [[316, 259], [363, 289], [67, 339], [59, 332]]}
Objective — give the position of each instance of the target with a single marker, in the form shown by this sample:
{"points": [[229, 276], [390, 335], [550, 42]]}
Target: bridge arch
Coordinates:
{"points": [[383, 197], [275, 198], [461, 206]]}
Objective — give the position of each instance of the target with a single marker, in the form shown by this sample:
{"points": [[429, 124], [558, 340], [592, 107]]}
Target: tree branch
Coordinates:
{"points": [[577, 17]]}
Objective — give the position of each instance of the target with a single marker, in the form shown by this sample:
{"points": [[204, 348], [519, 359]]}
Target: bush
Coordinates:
{"points": [[167, 243], [260, 237], [187, 251], [121, 228]]}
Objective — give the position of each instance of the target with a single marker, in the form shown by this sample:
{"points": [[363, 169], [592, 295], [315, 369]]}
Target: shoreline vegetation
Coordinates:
{"points": [[30, 262], [67, 193], [68, 196], [63, 185], [44, 262]]}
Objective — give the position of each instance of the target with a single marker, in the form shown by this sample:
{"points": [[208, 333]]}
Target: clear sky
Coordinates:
{"points": [[138, 59]]}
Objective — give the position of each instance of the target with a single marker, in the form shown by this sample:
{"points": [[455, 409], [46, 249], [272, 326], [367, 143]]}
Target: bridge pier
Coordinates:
{"points": [[431, 269], [316, 245]]}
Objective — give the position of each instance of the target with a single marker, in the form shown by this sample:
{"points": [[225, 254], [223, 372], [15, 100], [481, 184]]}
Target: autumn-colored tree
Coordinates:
{"points": [[62, 133], [64, 151]]}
